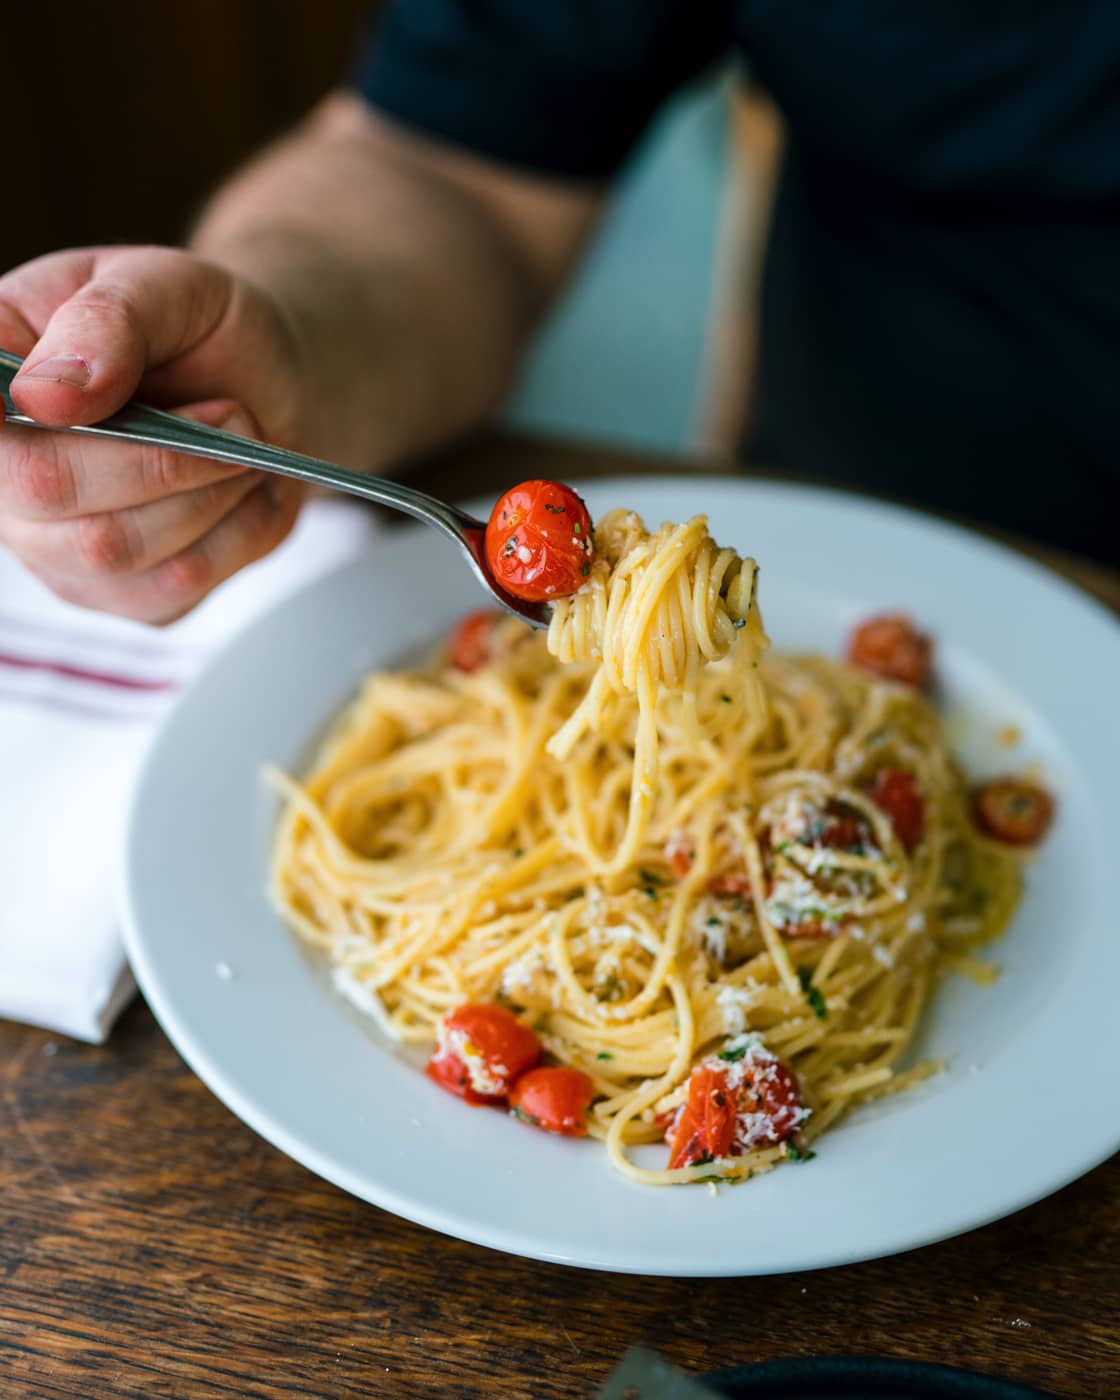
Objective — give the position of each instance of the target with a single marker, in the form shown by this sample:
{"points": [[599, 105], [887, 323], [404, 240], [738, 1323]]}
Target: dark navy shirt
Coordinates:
{"points": [[941, 298]]}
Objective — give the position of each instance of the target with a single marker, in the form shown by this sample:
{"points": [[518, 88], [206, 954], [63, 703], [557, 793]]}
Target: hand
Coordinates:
{"points": [[137, 531]]}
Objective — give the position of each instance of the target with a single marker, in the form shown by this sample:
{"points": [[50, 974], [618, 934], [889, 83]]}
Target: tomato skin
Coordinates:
{"points": [[896, 792], [555, 1099], [482, 1041], [706, 1127], [735, 1108], [471, 643], [891, 646], [538, 541], [845, 834], [1013, 811], [773, 1092]]}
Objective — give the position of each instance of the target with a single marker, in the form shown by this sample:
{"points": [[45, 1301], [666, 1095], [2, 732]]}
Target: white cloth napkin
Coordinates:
{"points": [[80, 694]]}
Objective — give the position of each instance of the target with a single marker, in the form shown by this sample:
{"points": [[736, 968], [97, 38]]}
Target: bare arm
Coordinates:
{"points": [[357, 292], [412, 274]]}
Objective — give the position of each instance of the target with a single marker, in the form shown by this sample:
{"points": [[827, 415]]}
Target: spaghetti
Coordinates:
{"points": [[672, 854]]}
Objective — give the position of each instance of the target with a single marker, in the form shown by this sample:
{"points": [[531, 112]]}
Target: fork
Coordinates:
{"points": [[152, 427]]}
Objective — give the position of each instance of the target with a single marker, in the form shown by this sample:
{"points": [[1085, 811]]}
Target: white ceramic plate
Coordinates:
{"points": [[1031, 1098]]}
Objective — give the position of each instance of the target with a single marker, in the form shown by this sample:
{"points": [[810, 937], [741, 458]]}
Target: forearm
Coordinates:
{"points": [[410, 281]]}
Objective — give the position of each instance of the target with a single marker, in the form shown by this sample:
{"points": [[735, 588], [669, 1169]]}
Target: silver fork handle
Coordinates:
{"points": [[153, 427]]}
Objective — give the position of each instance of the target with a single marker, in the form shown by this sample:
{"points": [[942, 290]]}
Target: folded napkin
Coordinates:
{"points": [[80, 694]]}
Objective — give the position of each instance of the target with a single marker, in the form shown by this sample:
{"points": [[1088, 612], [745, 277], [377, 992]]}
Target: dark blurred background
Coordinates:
{"points": [[122, 118]]}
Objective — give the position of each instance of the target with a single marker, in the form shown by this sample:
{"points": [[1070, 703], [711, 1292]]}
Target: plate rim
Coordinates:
{"points": [[279, 1134]]}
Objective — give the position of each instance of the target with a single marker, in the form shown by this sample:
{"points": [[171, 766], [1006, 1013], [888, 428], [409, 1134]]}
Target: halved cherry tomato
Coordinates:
{"points": [[538, 541], [472, 641], [896, 792], [892, 647], [1013, 810], [555, 1099], [736, 1107], [706, 1127], [771, 1092], [482, 1049]]}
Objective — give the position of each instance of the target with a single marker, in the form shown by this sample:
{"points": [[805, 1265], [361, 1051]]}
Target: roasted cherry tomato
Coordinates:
{"points": [[734, 1107], [538, 541], [896, 792], [472, 641], [1013, 810], [892, 647], [556, 1100], [482, 1049], [706, 1126], [770, 1099]]}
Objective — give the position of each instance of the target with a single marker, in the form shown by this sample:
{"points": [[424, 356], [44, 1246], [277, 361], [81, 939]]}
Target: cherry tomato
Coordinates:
{"points": [[538, 541], [732, 1108], [482, 1049], [892, 647], [1013, 810], [556, 1100], [771, 1101], [471, 643], [896, 792], [706, 1126]]}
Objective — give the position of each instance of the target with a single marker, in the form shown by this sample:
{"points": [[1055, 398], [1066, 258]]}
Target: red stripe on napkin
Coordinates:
{"points": [[81, 673]]}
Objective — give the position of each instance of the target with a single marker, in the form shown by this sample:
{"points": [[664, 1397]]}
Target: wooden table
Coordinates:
{"points": [[151, 1245]]}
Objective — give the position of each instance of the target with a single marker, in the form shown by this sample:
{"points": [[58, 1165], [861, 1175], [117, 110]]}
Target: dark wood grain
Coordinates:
{"points": [[152, 1246]]}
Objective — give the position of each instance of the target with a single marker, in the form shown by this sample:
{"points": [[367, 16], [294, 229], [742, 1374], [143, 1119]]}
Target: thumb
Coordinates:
{"points": [[138, 309]]}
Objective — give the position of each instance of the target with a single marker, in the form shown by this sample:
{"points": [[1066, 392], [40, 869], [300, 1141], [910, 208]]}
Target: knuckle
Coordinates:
{"points": [[188, 574], [166, 473], [105, 301], [39, 483], [103, 544]]}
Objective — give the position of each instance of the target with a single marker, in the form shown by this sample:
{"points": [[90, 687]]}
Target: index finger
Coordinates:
{"points": [[56, 476]]}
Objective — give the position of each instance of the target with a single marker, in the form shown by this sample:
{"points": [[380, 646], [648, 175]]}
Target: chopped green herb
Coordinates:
{"points": [[754, 665], [738, 622], [702, 1160], [785, 846], [649, 877], [604, 1055], [798, 1154], [713, 922], [812, 994], [726, 699], [576, 528], [735, 1053], [649, 890], [556, 510], [519, 850], [877, 735], [585, 569], [525, 1117]]}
